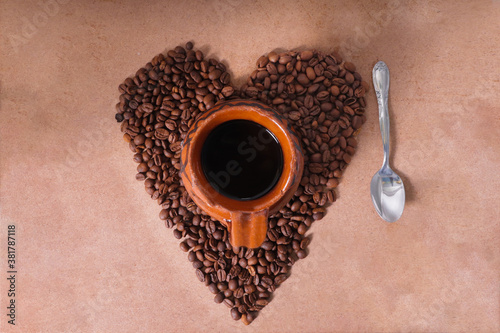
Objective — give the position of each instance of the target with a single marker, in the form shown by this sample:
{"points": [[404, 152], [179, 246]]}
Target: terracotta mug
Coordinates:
{"points": [[221, 177]]}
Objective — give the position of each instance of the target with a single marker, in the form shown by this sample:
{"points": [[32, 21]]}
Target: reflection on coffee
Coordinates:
{"points": [[242, 160]]}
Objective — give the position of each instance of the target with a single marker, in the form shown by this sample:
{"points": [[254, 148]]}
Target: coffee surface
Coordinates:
{"points": [[242, 160]]}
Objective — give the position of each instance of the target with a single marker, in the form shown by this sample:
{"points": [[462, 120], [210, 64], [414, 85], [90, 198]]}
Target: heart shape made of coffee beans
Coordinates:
{"points": [[320, 95]]}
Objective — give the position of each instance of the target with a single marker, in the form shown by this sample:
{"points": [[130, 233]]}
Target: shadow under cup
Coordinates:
{"points": [[240, 163]]}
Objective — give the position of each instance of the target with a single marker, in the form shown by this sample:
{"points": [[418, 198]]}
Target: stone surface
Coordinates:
{"points": [[93, 255]]}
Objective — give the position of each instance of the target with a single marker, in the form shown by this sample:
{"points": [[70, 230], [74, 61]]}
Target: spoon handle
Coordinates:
{"points": [[381, 83]]}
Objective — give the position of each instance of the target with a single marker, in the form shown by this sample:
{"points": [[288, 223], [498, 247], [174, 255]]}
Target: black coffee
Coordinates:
{"points": [[242, 159]]}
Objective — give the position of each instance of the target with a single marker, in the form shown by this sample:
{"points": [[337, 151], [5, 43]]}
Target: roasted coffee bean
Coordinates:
{"points": [[295, 206], [262, 62], [306, 55], [200, 275], [271, 68], [227, 91], [280, 279], [249, 253], [242, 308], [177, 234], [273, 57], [235, 314], [229, 303], [251, 270], [213, 288], [267, 246], [247, 318], [311, 75], [164, 214], [243, 262], [184, 246], [238, 293], [262, 302], [219, 298], [233, 284], [301, 254], [303, 79], [350, 66], [222, 286], [332, 183], [302, 229], [221, 275], [315, 167]]}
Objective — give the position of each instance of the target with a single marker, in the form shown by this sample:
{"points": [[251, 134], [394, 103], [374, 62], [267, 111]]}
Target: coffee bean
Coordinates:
{"points": [[273, 57], [251, 270], [301, 254], [349, 78], [219, 298], [247, 318], [295, 206], [332, 183], [214, 75], [271, 68], [294, 115], [184, 246], [164, 214], [304, 243], [303, 79], [233, 284], [200, 275], [357, 122], [262, 62], [267, 246], [316, 158], [235, 314], [177, 234], [285, 59], [318, 216], [308, 101], [270, 256], [238, 293], [279, 279], [249, 288], [302, 229], [222, 286], [227, 91], [143, 167], [197, 264], [229, 303], [315, 167], [306, 55], [311, 75], [262, 302], [350, 66], [213, 288]]}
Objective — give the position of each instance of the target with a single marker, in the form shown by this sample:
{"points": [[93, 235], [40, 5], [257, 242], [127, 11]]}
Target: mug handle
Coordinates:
{"points": [[248, 229]]}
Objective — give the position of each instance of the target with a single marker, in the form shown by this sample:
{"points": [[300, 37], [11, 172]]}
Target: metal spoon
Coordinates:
{"points": [[387, 189]]}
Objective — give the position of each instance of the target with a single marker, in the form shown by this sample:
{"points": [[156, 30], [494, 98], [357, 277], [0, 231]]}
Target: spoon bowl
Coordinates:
{"points": [[388, 194], [386, 188]]}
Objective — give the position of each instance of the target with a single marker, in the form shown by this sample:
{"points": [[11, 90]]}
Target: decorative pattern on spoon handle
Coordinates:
{"points": [[381, 85]]}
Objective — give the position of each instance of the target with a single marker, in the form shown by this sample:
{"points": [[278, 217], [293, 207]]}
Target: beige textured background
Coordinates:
{"points": [[93, 255]]}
